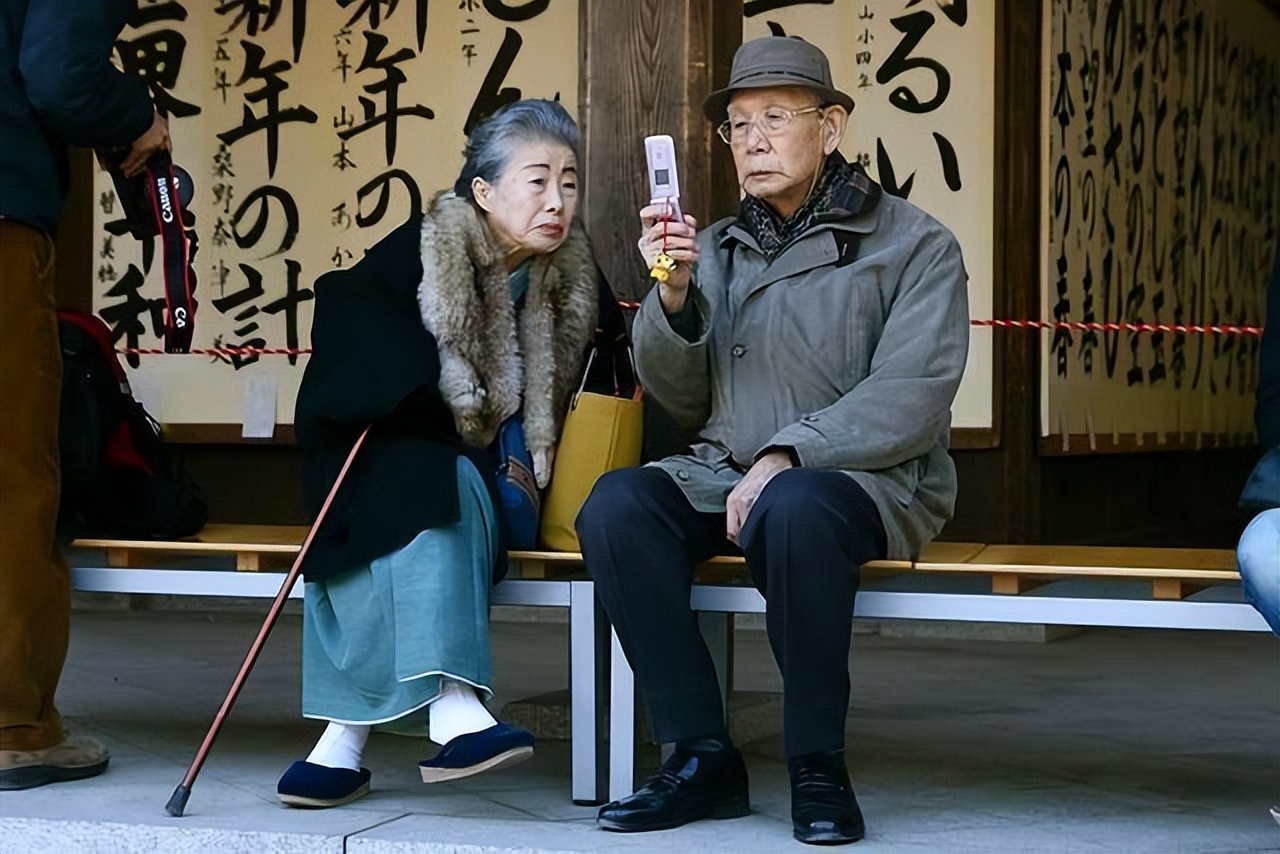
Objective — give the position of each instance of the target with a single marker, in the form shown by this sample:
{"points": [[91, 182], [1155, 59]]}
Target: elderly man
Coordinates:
{"points": [[817, 339]]}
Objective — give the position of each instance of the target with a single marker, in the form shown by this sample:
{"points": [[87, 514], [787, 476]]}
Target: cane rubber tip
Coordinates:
{"points": [[178, 801]]}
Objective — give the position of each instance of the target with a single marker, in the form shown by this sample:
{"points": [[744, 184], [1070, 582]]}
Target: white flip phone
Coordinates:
{"points": [[664, 182]]}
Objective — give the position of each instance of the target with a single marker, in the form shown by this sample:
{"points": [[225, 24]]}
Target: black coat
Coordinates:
{"points": [[373, 362]]}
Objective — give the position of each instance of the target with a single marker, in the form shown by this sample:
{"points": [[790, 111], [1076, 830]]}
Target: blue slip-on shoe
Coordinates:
{"points": [[306, 784], [499, 746]]}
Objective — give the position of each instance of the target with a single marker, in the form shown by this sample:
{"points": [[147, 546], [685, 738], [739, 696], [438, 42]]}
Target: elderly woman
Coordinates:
{"points": [[472, 314]]}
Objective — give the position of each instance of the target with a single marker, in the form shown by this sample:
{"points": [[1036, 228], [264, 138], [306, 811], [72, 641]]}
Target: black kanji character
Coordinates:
{"points": [[126, 317], [382, 183], [152, 13], [250, 292], [262, 198], [222, 162], [374, 12], [220, 83], [294, 296], [514, 13], [751, 8], [156, 58], [389, 87], [260, 15], [273, 117], [342, 160], [222, 194], [492, 96], [913, 28]]}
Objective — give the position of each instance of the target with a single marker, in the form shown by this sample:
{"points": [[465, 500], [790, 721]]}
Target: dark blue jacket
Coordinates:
{"points": [[58, 88]]}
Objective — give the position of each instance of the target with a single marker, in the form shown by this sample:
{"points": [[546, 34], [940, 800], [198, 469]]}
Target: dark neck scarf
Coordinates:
{"points": [[843, 189]]}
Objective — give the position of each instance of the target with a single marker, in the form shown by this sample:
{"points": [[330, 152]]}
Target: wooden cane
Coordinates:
{"points": [[178, 800]]}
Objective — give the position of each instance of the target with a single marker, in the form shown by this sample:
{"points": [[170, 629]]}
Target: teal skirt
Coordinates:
{"points": [[378, 640]]}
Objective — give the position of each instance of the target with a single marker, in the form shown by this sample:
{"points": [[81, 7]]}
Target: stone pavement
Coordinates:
{"points": [[1103, 741]]}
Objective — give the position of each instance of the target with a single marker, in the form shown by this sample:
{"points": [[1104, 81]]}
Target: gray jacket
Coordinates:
{"points": [[851, 362]]}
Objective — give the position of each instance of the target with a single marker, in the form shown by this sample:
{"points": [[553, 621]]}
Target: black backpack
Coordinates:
{"points": [[117, 480]]}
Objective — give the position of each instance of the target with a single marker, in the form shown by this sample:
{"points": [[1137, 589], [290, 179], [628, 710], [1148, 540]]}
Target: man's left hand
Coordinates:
{"points": [[744, 495]]}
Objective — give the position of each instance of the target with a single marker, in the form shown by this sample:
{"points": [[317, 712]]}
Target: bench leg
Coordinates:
{"points": [[622, 723], [717, 633], [588, 683]]}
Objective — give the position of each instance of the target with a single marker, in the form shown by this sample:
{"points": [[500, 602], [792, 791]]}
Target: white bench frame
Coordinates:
{"points": [[596, 659]]}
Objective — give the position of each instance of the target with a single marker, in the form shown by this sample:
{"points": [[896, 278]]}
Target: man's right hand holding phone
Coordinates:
{"points": [[662, 232]]}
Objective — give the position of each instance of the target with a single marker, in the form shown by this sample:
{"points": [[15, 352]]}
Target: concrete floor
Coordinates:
{"points": [[1104, 741]]}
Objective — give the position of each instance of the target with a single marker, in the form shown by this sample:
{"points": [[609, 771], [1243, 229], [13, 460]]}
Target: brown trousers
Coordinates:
{"points": [[35, 585]]}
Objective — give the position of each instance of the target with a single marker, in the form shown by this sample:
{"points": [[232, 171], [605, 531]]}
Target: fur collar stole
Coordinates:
{"points": [[492, 361]]}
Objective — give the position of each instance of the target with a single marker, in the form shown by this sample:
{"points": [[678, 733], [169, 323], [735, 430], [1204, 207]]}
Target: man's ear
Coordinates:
{"points": [[482, 190], [835, 122]]}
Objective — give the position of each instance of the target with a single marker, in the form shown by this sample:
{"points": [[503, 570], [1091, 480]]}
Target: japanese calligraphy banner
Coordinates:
{"points": [[311, 129], [1161, 141], [922, 76]]}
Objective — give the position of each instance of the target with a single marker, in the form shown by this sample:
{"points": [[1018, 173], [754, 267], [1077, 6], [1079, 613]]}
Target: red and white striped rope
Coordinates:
{"points": [[1055, 325]]}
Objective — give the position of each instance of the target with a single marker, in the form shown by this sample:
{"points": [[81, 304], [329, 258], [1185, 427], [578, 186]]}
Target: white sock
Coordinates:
{"points": [[340, 746], [457, 711]]}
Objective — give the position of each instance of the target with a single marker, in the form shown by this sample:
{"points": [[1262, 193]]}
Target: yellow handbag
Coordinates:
{"points": [[601, 433]]}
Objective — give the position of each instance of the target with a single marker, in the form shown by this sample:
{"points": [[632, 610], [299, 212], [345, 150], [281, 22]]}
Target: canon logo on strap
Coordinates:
{"points": [[180, 317], [162, 191]]}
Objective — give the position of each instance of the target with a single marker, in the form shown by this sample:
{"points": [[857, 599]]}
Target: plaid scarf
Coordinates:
{"points": [[843, 189]]}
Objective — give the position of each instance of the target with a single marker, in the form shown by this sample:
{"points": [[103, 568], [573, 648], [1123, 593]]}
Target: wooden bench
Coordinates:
{"points": [[1012, 584]]}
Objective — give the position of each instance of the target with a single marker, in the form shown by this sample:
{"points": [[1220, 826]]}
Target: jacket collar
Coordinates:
{"points": [[844, 190]]}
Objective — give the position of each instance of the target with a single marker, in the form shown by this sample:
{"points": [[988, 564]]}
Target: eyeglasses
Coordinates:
{"points": [[772, 122]]}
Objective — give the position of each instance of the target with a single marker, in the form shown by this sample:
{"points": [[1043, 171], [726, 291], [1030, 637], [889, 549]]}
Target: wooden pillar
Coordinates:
{"points": [[76, 253], [646, 66], [1017, 286]]}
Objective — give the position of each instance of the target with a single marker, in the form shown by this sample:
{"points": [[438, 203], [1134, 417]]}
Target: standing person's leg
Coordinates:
{"points": [[1258, 559], [641, 539], [35, 587], [805, 540]]}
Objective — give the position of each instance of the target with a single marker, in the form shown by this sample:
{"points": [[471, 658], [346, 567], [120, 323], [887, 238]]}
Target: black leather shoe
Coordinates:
{"points": [[824, 810], [691, 785]]}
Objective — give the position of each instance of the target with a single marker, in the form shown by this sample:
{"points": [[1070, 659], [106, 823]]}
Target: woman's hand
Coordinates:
{"points": [[660, 232]]}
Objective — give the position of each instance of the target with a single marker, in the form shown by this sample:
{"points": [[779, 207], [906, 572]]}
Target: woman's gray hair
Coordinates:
{"points": [[491, 142]]}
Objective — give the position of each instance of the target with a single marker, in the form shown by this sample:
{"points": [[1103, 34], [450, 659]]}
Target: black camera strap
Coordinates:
{"points": [[180, 307]]}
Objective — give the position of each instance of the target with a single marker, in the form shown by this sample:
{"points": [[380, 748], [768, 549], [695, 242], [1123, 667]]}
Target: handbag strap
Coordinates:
{"points": [[586, 371]]}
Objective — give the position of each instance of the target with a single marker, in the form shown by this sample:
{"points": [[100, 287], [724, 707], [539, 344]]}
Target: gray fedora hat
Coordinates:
{"points": [[776, 61]]}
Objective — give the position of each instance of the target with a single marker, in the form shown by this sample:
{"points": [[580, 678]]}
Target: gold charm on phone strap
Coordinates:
{"points": [[662, 267]]}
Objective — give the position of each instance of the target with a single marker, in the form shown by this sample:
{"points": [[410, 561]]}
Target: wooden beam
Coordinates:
{"points": [[646, 67], [1173, 589], [1010, 584]]}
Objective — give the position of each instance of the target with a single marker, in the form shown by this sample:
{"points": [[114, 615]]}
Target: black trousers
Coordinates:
{"points": [[804, 541]]}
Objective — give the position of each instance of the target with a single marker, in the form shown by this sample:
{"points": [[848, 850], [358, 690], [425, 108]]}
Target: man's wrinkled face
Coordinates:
{"points": [[780, 137]]}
